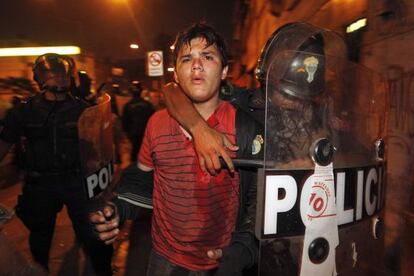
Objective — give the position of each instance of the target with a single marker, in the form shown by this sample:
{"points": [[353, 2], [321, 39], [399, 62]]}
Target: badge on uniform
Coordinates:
{"points": [[257, 144], [311, 65]]}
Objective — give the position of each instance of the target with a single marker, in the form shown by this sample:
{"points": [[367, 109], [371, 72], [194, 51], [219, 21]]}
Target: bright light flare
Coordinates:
{"points": [[356, 25], [37, 51], [133, 46]]}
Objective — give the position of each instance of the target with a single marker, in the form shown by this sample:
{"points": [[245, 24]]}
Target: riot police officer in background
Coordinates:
{"points": [[46, 127], [134, 118]]}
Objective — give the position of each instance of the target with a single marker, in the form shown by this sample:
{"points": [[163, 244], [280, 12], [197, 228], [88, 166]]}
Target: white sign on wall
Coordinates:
{"points": [[155, 65]]}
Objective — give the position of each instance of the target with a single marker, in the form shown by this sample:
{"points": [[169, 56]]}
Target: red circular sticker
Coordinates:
{"points": [[155, 59]]}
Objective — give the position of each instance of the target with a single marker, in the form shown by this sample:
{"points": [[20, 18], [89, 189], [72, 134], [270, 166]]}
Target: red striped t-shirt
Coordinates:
{"points": [[193, 211]]}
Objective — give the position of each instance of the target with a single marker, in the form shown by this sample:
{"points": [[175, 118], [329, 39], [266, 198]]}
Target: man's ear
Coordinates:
{"points": [[176, 77], [224, 72]]}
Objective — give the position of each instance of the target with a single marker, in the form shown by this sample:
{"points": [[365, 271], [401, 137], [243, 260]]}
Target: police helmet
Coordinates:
{"points": [[300, 49], [305, 74], [51, 65], [136, 88]]}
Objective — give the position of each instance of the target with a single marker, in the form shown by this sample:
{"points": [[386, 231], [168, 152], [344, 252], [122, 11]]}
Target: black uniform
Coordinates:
{"points": [[47, 131], [134, 120]]}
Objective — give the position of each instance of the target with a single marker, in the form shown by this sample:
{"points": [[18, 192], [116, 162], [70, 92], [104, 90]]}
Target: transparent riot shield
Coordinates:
{"points": [[321, 189], [96, 146]]}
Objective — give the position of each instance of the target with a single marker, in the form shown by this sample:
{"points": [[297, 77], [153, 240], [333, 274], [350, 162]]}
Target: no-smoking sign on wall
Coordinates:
{"points": [[155, 66]]}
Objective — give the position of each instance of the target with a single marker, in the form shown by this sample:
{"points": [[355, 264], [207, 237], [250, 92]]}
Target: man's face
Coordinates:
{"points": [[57, 79], [199, 70]]}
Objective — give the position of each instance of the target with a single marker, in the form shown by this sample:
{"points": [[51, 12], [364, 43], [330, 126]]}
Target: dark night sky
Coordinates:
{"points": [[107, 27]]}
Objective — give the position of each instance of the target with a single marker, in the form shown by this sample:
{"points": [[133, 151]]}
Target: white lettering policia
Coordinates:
{"points": [[359, 195]]}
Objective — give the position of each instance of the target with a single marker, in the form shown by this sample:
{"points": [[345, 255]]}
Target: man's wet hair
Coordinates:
{"points": [[204, 31]]}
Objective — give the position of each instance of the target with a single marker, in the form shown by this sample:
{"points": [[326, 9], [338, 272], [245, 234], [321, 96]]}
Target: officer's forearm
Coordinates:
{"points": [[182, 109]]}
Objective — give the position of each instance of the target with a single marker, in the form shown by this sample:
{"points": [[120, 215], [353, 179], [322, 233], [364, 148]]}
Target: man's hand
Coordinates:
{"points": [[215, 254], [106, 223], [231, 259], [210, 145]]}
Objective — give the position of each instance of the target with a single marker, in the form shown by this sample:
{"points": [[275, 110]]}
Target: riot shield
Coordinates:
{"points": [[96, 146], [321, 189]]}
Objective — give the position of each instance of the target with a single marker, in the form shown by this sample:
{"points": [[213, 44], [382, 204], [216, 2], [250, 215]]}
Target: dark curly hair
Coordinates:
{"points": [[205, 31]]}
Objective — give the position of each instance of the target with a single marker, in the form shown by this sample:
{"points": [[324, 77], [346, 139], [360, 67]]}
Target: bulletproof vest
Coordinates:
{"points": [[50, 135]]}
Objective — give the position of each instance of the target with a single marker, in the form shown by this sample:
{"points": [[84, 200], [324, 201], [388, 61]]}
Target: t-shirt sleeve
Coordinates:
{"points": [[12, 125], [145, 152]]}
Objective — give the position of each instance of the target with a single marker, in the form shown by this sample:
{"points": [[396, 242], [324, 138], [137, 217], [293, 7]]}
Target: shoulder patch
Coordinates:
{"points": [[257, 144]]}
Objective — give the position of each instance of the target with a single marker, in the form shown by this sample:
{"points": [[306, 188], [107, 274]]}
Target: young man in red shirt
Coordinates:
{"points": [[197, 215]]}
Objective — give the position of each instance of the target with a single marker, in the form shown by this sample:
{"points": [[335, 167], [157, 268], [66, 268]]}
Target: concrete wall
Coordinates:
{"points": [[388, 49]]}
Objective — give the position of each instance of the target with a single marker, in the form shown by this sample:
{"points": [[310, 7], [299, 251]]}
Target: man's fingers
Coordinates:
{"points": [[210, 166], [105, 227], [97, 217], [108, 211], [228, 161], [215, 254], [216, 162], [228, 144], [108, 236], [108, 242], [202, 163]]}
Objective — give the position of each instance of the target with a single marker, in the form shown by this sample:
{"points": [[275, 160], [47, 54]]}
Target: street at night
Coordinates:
{"points": [[207, 137]]}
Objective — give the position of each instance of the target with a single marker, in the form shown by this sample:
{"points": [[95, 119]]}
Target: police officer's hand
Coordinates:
{"points": [[210, 145], [106, 223], [232, 259], [215, 254]]}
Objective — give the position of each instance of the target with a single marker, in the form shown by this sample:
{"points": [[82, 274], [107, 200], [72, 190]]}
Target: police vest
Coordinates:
{"points": [[50, 135]]}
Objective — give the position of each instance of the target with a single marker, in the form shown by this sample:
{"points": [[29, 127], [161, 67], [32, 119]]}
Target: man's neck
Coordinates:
{"points": [[207, 108]]}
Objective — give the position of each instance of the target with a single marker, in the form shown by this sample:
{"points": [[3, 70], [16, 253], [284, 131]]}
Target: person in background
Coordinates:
{"points": [[46, 126], [134, 118]]}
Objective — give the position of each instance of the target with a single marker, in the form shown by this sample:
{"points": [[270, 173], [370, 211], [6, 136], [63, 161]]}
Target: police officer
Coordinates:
{"points": [[297, 108], [46, 127], [134, 118], [297, 37]]}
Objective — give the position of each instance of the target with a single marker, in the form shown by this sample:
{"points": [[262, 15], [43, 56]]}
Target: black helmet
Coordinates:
{"points": [[50, 65], [299, 50], [136, 88], [305, 77]]}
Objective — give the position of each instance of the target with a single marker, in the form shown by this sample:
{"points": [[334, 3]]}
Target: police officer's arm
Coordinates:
{"points": [[208, 143], [112, 214]]}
